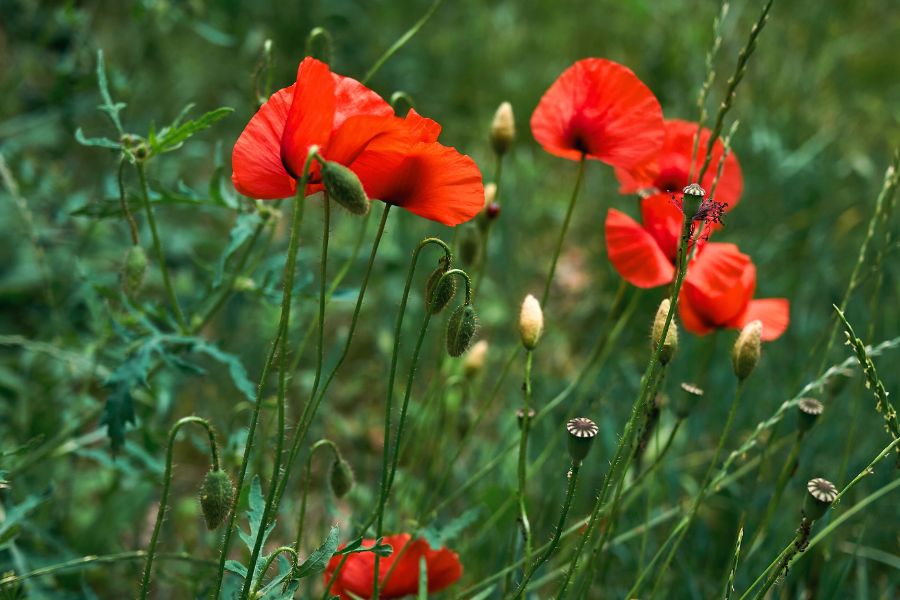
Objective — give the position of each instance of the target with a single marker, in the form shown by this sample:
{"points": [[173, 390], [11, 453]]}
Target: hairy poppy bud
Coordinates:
{"points": [[344, 187], [821, 494], [746, 350], [469, 245], [670, 345], [687, 399], [503, 129], [461, 329], [341, 479], [474, 359], [439, 290], [216, 496], [809, 411], [133, 270], [531, 322], [582, 432]]}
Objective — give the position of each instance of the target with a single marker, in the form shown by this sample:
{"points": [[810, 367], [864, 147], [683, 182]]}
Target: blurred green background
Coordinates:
{"points": [[819, 111]]}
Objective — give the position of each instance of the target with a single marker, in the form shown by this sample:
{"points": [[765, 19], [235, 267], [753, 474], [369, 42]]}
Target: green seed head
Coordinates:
{"points": [[461, 329], [133, 270], [344, 187], [216, 496]]}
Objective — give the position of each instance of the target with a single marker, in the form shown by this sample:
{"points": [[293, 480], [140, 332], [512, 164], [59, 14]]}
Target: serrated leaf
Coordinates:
{"points": [[318, 560], [235, 368], [109, 107], [171, 138], [98, 142], [439, 536], [233, 566]]}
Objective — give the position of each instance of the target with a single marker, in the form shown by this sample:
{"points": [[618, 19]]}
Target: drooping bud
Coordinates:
{"points": [[216, 496], [746, 350], [341, 478], [821, 494], [461, 329], [531, 322], [503, 129], [133, 270], [520, 416], [670, 345], [344, 187], [582, 432], [809, 411], [687, 399], [439, 290], [469, 245], [473, 361]]}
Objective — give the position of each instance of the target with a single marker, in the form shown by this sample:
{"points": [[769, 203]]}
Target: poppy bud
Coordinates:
{"points": [[344, 187], [492, 211], [582, 432], [503, 129], [474, 359], [216, 496], [809, 411], [341, 479], [439, 290], [520, 416], [461, 329], [670, 345], [469, 245], [687, 399], [133, 270], [821, 494], [490, 194], [531, 322], [746, 350]]}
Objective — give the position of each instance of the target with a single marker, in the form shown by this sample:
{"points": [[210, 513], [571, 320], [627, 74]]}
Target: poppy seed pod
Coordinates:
{"points": [[461, 329], [670, 345], [341, 477], [687, 399], [746, 350], [133, 270], [582, 432], [473, 361], [694, 191], [439, 290], [520, 416], [344, 187], [821, 494], [503, 129], [216, 496], [809, 411], [531, 322]]}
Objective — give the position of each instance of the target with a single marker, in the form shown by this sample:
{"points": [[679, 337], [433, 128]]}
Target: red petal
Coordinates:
{"points": [[353, 98], [634, 253], [692, 321], [720, 283], [311, 117], [257, 170], [774, 314], [352, 138], [601, 108], [663, 220], [422, 128]]}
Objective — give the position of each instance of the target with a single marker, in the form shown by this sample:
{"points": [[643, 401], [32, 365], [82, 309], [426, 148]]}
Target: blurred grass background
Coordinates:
{"points": [[819, 112]]}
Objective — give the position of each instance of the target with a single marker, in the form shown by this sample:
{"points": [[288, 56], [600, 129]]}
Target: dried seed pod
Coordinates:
{"points": [[582, 432], [821, 494], [809, 411], [687, 399]]}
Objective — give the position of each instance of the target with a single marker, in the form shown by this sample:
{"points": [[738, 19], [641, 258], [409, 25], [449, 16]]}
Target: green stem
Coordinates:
{"points": [[167, 482], [401, 41], [523, 461], [557, 534], [306, 480], [157, 248], [488, 225], [123, 200], [323, 277], [579, 178], [268, 563], [787, 470]]}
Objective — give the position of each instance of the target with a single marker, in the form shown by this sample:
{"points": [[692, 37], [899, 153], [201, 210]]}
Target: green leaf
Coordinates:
{"points": [[172, 137], [9, 526], [254, 516], [233, 566], [318, 560], [109, 107], [235, 368], [244, 228], [99, 142], [439, 536]]}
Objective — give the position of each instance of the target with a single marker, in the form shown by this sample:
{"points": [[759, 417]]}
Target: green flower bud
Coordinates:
{"points": [[133, 270], [344, 187], [670, 345], [216, 496], [582, 432], [439, 290], [531, 322], [821, 494], [461, 329], [746, 350], [341, 479]]}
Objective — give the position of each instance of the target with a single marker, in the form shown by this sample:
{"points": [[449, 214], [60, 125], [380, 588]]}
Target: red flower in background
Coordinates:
{"points": [[668, 170], [442, 565], [397, 160], [718, 293], [599, 108]]}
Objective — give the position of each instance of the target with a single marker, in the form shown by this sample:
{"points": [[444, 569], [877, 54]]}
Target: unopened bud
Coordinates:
{"points": [[746, 351], [821, 494], [503, 129], [492, 211], [687, 399], [341, 478], [531, 322], [133, 270], [670, 345], [473, 361], [439, 290], [216, 496], [469, 245], [461, 329], [344, 187], [809, 411], [582, 432]]}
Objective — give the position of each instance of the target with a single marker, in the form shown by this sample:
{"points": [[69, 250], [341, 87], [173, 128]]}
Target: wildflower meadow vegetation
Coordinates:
{"points": [[449, 299]]}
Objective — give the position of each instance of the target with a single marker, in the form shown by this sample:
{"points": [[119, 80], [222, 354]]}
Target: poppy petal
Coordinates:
{"points": [[311, 116], [663, 220], [257, 170], [422, 129], [720, 283], [353, 98], [600, 108], [691, 320], [774, 314], [352, 138], [634, 253]]}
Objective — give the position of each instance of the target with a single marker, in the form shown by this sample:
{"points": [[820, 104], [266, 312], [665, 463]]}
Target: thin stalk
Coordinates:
{"points": [[306, 480], [579, 178], [401, 41], [123, 201], [323, 277], [268, 563], [523, 461], [488, 225], [787, 470], [167, 483], [157, 248]]}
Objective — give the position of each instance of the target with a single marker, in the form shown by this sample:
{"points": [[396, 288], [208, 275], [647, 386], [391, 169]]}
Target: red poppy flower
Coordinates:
{"points": [[442, 565], [397, 160], [668, 170], [718, 293], [599, 108]]}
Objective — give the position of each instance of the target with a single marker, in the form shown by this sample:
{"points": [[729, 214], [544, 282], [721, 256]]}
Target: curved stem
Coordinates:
{"points": [[167, 482], [523, 461], [401, 41], [157, 248], [562, 233], [269, 560], [306, 478]]}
